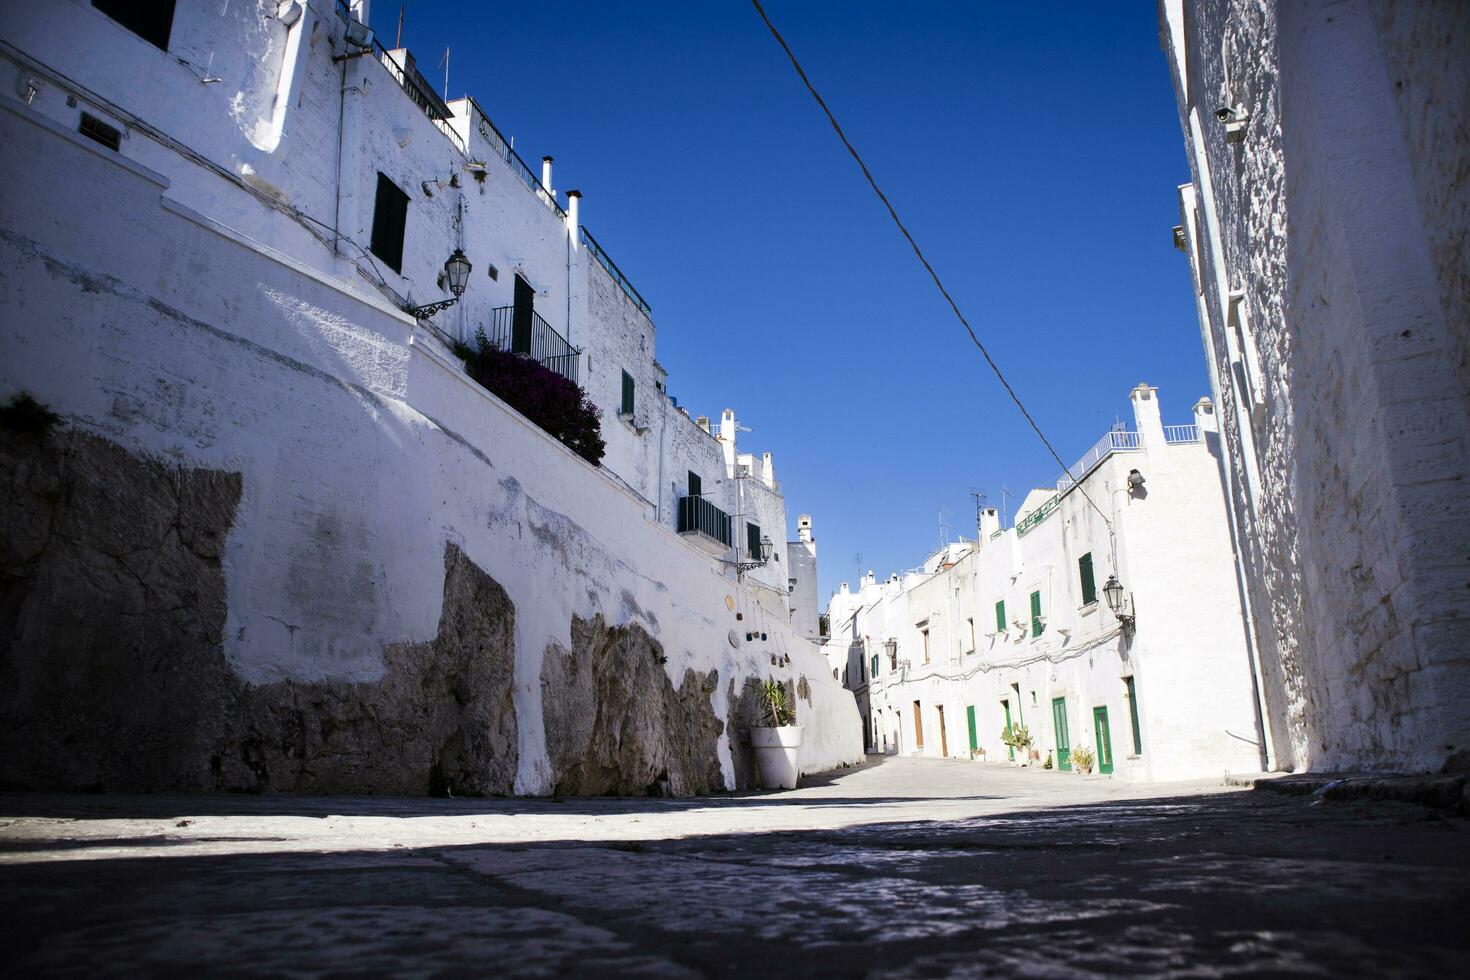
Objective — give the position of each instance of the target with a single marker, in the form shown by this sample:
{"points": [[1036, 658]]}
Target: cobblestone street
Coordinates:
{"points": [[902, 868]]}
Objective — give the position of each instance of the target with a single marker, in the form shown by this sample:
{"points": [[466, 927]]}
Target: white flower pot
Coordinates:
{"points": [[775, 755]]}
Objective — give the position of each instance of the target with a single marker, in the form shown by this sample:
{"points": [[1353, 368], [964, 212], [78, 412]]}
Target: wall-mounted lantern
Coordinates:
{"points": [[457, 270], [1119, 603]]}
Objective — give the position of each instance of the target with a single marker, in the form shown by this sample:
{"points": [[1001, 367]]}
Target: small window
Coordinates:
{"points": [[628, 392], [390, 216], [970, 623], [152, 20], [1036, 624], [95, 129], [696, 485], [753, 539], [875, 665], [1089, 584], [1000, 616], [926, 646]]}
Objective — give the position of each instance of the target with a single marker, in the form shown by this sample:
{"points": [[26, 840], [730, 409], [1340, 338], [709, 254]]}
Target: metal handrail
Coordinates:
{"points": [[1174, 434], [519, 167], [1113, 442], [615, 272], [699, 515], [419, 91], [540, 342]]}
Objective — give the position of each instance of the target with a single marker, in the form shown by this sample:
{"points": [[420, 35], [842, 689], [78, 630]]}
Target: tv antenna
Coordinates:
{"points": [[943, 527], [1005, 510], [979, 496]]}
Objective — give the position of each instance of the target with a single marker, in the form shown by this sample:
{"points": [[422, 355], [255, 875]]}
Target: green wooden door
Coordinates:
{"points": [[1010, 749], [1064, 741], [1104, 740], [970, 717]]}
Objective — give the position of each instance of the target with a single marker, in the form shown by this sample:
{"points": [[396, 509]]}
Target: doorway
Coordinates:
{"points": [[970, 719], [1064, 740], [918, 727], [520, 316], [1010, 749], [943, 741], [1104, 740]]}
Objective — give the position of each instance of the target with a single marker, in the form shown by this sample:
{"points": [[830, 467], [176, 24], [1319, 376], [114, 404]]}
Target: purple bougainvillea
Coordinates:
{"points": [[553, 402]]}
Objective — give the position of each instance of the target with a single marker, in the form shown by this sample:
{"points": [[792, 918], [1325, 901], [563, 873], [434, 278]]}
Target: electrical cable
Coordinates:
{"points": [[892, 213]]}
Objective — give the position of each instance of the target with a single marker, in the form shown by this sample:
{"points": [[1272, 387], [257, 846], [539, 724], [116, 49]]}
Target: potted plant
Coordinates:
{"points": [[777, 741], [1018, 737], [1082, 758]]}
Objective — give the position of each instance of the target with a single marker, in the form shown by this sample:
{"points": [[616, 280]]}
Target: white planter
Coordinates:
{"points": [[775, 755]]}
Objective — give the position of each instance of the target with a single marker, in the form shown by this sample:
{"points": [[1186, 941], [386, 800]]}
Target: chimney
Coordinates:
{"points": [[869, 578], [703, 422], [1205, 418], [546, 175], [989, 523], [804, 529], [769, 470], [574, 208], [1146, 417]]}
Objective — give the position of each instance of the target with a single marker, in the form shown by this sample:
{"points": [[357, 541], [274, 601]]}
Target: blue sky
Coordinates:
{"points": [[1032, 149]]}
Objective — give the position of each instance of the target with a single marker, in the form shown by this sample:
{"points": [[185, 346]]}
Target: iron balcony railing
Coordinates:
{"points": [[1174, 434], [1113, 442], [506, 152], [1037, 516], [418, 89], [612, 269], [530, 335], [700, 516]]}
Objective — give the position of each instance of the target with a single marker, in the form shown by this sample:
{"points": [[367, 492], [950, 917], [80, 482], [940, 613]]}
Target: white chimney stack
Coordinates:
{"points": [[546, 175], [574, 216]]}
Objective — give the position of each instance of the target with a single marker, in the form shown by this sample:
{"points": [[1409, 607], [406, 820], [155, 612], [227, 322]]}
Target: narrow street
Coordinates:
{"points": [[904, 867]]}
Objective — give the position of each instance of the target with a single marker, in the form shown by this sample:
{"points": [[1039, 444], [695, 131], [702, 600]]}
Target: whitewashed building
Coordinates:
{"points": [[1325, 221], [1014, 628], [234, 283]]}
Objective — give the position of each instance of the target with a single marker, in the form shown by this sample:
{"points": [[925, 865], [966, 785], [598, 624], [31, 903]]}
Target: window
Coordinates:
{"points": [[971, 624], [628, 390], [152, 21], [390, 216], [753, 540], [696, 485], [926, 646], [1089, 584], [875, 665], [94, 128], [1036, 624], [1131, 693], [1000, 616]]}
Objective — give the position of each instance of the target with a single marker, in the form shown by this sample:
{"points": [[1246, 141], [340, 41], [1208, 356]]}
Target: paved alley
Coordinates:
{"points": [[905, 867]]}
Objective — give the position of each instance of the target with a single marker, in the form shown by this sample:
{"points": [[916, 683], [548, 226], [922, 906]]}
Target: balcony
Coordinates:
{"points": [[1114, 442], [704, 525], [530, 335]]}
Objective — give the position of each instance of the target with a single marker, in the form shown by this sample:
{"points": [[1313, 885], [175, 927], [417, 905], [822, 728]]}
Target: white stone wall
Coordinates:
{"points": [[1188, 658], [802, 580], [176, 314], [1328, 246]]}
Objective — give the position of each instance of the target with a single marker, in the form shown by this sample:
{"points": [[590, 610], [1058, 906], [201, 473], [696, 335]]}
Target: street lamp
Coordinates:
{"points": [[457, 270], [1119, 604], [758, 559]]}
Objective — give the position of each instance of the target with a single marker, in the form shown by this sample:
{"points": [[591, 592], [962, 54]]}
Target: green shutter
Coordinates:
{"points": [[1000, 616], [753, 540], [1036, 614], [1089, 584], [875, 665], [970, 717], [1133, 715], [627, 393]]}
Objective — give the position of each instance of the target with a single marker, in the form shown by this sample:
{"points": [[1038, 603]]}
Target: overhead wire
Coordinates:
{"points": [[893, 213]]}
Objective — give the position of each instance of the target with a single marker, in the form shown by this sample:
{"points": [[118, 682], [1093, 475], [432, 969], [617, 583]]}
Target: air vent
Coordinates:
{"points": [[94, 128]]}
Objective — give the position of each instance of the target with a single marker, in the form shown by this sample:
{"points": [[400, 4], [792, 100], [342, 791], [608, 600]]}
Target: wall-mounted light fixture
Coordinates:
{"points": [[457, 270], [1120, 603], [757, 561]]}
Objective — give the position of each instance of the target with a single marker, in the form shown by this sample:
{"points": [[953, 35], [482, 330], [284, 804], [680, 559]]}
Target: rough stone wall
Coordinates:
{"points": [[1340, 215], [113, 675], [615, 724]]}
